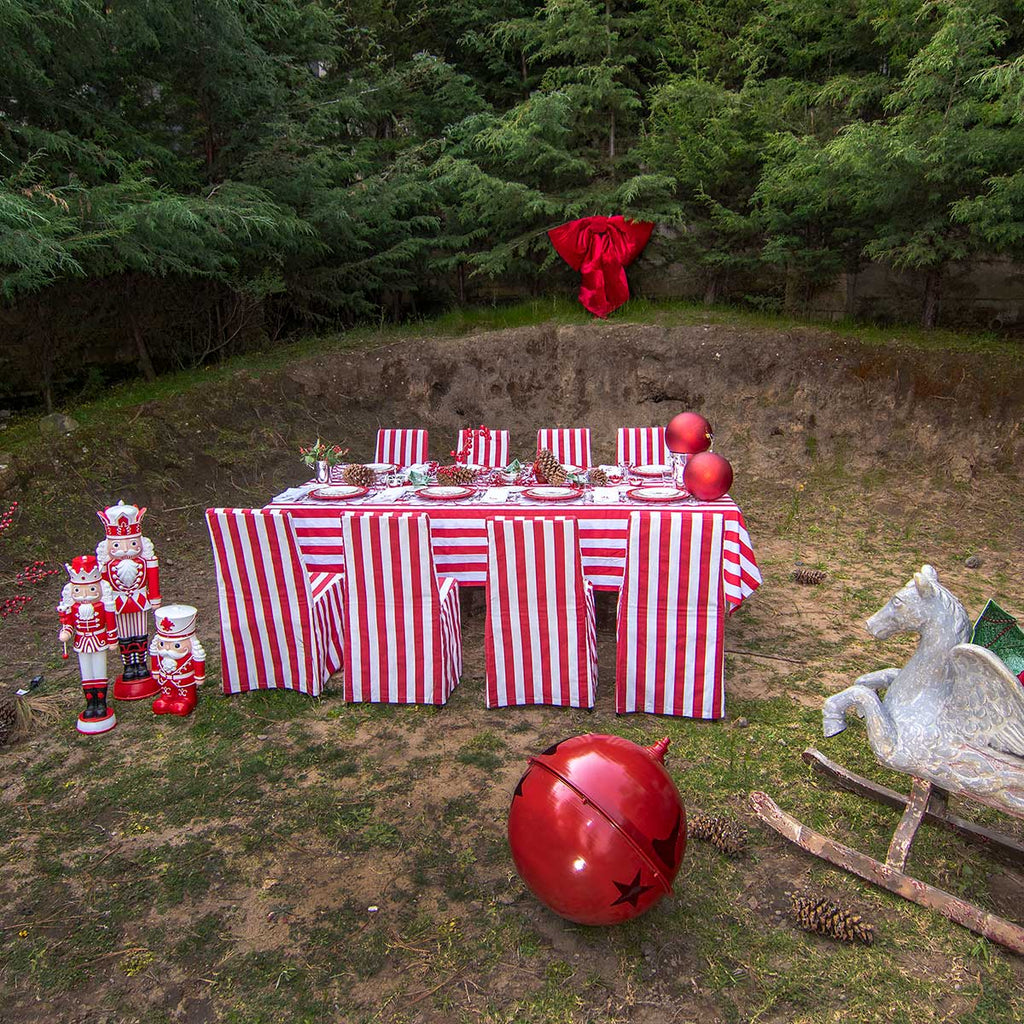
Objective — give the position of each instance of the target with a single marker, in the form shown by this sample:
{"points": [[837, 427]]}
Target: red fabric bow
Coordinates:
{"points": [[601, 248]]}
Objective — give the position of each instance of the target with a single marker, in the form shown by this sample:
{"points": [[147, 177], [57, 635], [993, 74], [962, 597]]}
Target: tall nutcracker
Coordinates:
{"points": [[179, 661], [130, 566], [86, 612]]}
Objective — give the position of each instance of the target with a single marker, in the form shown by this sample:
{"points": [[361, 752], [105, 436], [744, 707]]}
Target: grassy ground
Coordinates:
{"points": [[275, 858]]}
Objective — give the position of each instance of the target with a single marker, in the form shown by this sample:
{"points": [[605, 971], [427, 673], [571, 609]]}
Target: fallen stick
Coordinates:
{"points": [[770, 657], [436, 988]]}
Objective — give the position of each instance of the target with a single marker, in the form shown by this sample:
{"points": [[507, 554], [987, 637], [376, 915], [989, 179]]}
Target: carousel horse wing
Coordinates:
{"points": [[986, 697]]}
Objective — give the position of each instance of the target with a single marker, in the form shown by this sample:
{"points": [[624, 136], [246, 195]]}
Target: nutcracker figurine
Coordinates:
{"points": [[179, 661], [130, 567], [86, 613]]}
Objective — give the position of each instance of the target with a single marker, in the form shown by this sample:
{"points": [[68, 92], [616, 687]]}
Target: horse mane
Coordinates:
{"points": [[962, 621]]}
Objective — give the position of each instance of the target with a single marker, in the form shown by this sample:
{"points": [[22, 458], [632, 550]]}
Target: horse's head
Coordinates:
{"points": [[922, 601]]}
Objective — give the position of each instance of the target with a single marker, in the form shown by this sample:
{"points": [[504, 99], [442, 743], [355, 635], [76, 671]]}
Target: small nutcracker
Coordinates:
{"points": [[131, 568], [86, 612], [178, 660]]}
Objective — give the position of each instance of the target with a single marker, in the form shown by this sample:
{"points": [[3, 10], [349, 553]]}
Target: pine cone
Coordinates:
{"points": [[722, 833], [548, 470], [809, 577], [597, 478], [456, 476], [824, 917], [8, 717], [358, 475]]}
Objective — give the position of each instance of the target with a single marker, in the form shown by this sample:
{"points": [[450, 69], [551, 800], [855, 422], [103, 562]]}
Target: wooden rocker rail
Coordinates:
{"points": [[997, 929], [991, 840]]}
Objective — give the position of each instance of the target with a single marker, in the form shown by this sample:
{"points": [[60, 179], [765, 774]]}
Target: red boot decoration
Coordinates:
{"points": [[86, 612], [178, 660], [131, 568]]}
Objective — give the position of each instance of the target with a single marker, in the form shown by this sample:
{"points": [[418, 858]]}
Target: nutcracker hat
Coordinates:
{"points": [[122, 520], [84, 569], [174, 620]]}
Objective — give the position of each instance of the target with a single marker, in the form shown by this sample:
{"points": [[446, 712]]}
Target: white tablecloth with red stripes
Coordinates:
{"points": [[459, 535]]}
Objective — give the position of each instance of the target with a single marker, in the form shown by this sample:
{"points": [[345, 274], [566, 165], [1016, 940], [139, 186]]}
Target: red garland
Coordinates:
{"points": [[35, 572], [481, 433], [601, 248]]}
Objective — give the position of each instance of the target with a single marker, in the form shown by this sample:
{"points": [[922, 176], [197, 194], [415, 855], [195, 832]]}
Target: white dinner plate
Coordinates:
{"points": [[657, 494], [552, 493], [440, 492], [339, 493], [652, 470], [382, 467]]}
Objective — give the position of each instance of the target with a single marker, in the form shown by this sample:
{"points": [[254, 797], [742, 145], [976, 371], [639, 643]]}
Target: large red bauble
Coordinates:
{"points": [[688, 433], [707, 475], [597, 828]]}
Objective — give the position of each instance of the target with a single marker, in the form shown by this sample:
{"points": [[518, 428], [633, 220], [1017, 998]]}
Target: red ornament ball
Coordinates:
{"points": [[597, 828], [707, 475], [688, 433]]}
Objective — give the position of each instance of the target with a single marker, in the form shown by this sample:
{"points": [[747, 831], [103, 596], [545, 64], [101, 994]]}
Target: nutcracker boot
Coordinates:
{"points": [[97, 717], [137, 683], [185, 703], [164, 704]]}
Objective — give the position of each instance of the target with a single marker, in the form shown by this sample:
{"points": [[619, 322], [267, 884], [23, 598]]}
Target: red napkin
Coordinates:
{"points": [[601, 248]]}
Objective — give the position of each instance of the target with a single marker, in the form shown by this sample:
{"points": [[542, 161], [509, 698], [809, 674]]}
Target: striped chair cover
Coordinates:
{"points": [[570, 447], [641, 446], [540, 636], [492, 452], [402, 447], [670, 634], [280, 625], [403, 634]]}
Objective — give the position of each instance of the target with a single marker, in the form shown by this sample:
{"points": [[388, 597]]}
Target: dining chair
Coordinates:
{"points": [[402, 630], [540, 635], [641, 446], [401, 447], [570, 446], [669, 629], [280, 623], [491, 452]]}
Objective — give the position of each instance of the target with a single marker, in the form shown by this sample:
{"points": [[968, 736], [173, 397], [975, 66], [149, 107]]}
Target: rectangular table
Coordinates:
{"points": [[720, 568], [459, 534]]}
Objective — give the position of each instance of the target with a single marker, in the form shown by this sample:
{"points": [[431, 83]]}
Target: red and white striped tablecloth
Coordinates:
{"points": [[459, 535]]}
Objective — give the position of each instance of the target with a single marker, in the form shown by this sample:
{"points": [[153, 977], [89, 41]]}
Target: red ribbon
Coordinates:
{"points": [[601, 248]]}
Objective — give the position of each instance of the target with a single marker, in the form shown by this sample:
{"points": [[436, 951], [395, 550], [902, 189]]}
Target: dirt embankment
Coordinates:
{"points": [[775, 398]]}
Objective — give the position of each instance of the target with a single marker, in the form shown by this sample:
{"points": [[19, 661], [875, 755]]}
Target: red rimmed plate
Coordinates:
{"points": [[657, 494], [342, 492], [553, 493], [652, 471], [440, 492]]}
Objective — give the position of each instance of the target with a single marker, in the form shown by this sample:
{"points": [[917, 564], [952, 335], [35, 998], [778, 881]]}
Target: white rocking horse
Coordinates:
{"points": [[953, 719]]}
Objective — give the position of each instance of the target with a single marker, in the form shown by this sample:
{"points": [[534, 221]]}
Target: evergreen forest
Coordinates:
{"points": [[180, 179]]}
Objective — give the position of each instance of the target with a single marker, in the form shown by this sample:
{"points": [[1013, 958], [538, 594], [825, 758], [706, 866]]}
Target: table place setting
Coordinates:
{"points": [[294, 493]]}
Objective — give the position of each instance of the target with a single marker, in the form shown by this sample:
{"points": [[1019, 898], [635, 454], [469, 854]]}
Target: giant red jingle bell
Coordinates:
{"points": [[707, 476], [688, 433], [597, 828]]}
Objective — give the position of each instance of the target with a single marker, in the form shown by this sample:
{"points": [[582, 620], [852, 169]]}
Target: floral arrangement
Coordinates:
{"points": [[332, 454]]}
